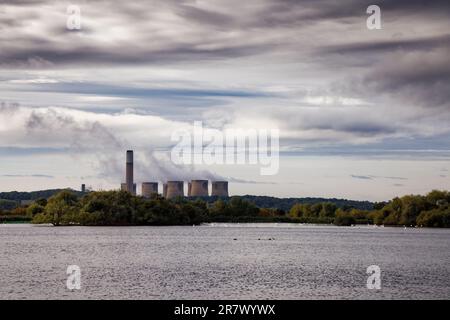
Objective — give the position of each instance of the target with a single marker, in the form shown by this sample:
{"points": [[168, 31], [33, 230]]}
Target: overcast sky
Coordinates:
{"points": [[363, 114]]}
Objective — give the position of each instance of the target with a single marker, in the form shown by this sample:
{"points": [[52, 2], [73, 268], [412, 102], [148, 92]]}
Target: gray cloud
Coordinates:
{"points": [[361, 177], [211, 32], [375, 47], [372, 177], [133, 91], [241, 63], [237, 180], [28, 176], [402, 66], [396, 178]]}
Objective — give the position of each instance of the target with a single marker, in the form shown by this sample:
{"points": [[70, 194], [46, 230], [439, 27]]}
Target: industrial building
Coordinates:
{"points": [[171, 189], [124, 187], [149, 188], [219, 188], [129, 173], [165, 190], [199, 188], [174, 189]]}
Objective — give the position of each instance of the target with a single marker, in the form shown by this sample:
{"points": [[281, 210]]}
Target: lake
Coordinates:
{"points": [[224, 261]]}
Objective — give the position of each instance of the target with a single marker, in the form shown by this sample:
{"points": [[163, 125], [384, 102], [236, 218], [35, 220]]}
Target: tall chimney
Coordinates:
{"points": [[129, 177]]}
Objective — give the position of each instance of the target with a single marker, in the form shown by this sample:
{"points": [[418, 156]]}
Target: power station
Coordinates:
{"points": [[219, 188], [123, 187], [171, 189], [149, 188], [129, 173], [199, 188], [174, 189]]}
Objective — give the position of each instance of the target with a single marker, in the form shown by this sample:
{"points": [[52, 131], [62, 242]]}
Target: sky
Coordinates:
{"points": [[362, 114]]}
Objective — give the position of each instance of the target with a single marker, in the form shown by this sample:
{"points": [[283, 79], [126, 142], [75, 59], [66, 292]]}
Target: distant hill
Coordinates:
{"points": [[260, 201], [287, 203], [33, 195]]}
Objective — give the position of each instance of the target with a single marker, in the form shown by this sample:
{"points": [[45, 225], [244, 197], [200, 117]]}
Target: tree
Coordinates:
{"points": [[379, 205], [344, 218], [328, 210], [41, 201], [196, 211], [359, 214], [316, 209], [34, 209], [296, 210], [111, 207], [19, 211], [306, 211], [435, 218], [219, 208], [241, 207], [303, 210], [436, 195], [58, 205], [412, 206], [392, 211]]}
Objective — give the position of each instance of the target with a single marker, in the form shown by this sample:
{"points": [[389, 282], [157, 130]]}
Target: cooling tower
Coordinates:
{"points": [[175, 189], [129, 173], [149, 188], [199, 188], [219, 188], [165, 190], [123, 187], [83, 188]]}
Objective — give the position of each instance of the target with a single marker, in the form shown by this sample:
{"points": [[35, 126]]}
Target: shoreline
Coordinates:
{"points": [[219, 223]]}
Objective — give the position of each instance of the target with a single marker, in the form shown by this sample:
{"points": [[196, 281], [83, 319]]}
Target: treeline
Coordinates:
{"points": [[287, 203], [121, 208], [432, 210], [10, 200]]}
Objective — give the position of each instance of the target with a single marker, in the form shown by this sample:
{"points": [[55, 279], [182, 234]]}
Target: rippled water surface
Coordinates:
{"points": [[224, 261]]}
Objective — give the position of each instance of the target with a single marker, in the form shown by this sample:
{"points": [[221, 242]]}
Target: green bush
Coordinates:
{"points": [[434, 218], [34, 209], [344, 218]]}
